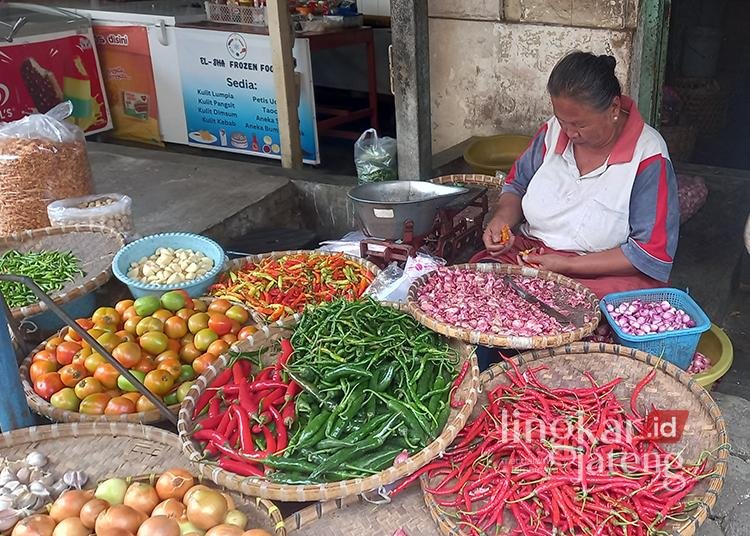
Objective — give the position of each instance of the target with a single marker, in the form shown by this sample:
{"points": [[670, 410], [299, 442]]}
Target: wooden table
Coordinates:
{"points": [[335, 116]]}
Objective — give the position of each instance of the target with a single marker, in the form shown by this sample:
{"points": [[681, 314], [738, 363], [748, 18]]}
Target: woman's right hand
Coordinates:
{"points": [[493, 238]]}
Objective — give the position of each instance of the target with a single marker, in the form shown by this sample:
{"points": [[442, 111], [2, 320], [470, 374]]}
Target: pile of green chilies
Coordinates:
{"points": [[374, 383], [49, 269]]}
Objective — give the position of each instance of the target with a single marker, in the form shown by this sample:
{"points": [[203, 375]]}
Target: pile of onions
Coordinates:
{"points": [[641, 318], [700, 364], [482, 301]]}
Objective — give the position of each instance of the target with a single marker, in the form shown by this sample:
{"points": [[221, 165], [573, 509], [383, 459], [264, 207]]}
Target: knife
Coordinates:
{"points": [[554, 313]]}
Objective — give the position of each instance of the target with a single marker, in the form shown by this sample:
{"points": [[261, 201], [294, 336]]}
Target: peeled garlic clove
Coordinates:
{"points": [[8, 518], [75, 479], [36, 459], [6, 475]]}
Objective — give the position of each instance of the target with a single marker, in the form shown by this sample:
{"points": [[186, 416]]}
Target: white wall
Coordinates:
{"points": [[380, 8]]}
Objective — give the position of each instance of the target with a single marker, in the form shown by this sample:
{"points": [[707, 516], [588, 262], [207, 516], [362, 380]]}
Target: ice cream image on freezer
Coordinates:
{"points": [[223, 137]]}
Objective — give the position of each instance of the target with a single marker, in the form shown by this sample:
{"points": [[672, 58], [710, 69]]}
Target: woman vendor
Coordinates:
{"points": [[594, 196]]}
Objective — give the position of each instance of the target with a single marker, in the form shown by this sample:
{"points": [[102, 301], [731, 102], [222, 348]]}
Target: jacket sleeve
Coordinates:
{"points": [[527, 164], [654, 218]]}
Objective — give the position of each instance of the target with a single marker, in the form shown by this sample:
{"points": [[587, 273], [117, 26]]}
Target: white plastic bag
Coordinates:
{"points": [[375, 158], [110, 210], [397, 288]]}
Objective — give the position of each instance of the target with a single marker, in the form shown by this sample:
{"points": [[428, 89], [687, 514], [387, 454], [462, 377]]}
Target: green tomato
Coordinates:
{"points": [[65, 399], [146, 305], [173, 300], [182, 390], [171, 399], [128, 387], [187, 372]]}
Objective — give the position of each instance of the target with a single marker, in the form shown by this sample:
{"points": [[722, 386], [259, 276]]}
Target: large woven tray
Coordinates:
{"points": [[94, 246], [106, 450], [487, 339], [467, 392], [42, 407], [236, 264], [475, 179], [671, 388]]}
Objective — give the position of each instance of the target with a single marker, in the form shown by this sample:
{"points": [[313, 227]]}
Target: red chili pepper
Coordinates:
{"points": [[280, 428], [270, 440], [202, 402], [209, 435], [291, 391], [213, 407], [457, 383], [288, 413], [245, 434], [222, 379], [241, 468], [638, 388], [209, 423], [237, 375]]}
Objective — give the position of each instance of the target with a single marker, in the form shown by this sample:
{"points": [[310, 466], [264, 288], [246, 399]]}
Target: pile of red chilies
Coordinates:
{"points": [[503, 463], [248, 415]]}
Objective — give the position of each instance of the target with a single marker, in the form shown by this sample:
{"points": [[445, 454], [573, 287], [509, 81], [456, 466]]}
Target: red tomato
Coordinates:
{"points": [[134, 396], [246, 332], [52, 343], [126, 336], [175, 327], [159, 382], [219, 306], [85, 323], [236, 327], [202, 362], [189, 352], [94, 404], [45, 355], [173, 345], [107, 375], [88, 386], [123, 305], [145, 365], [71, 374], [48, 384], [188, 299], [66, 351], [39, 368], [128, 354], [219, 323], [218, 347], [119, 405], [170, 365], [129, 313]]}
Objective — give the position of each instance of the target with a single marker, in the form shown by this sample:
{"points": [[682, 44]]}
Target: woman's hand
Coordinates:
{"points": [[493, 237], [553, 263]]}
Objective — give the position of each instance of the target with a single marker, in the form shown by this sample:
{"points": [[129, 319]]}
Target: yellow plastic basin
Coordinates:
{"points": [[717, 347], [495, 153]]}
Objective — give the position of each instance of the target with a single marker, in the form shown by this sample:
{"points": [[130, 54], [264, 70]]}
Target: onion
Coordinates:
{"points": [[188, 529], [192, 490], [225, 530], [159, 526], [236, 518], [171, 508], [91, 511], [142, 497], [119, 517], [174, 483], [256, 532], [206, 508], [69, 504], [112, 490], [71, 526], [36, 525], [231, 505]]}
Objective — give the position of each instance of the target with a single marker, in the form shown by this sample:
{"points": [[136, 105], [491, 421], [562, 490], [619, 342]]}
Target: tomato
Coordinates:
{"points": [[107, 315], [48, 384], [119, 405], [246, 332], [189, 352], [131, 324], [204, 338], [85, 323], [174, 345], [182, 390], [170, 365], [106, 327], [94, 404], [237, 313], [159, 382], [88, 386], [126, 336], [128, 354], [111, 393], [188, 299], [107, 374], [66, 352], [236, 327], [185, 314], [171, 399], [167, 355], [39, 368], [147, 305], [198, 322], [229, 338], [122, 306], [45, 355], [149, 324], [172, 300], [124, 384], [175, 327], [219, 323], [65, 399], [129, 313], [51, 344], [154, 342], [186, 374], [93, 361], [203, 361], [71, 374], [187, 339], [144, 404], [133, 396], [162, 314], [219, 305], [146, 364], [217, 347], [200, 306], [110, 341]]}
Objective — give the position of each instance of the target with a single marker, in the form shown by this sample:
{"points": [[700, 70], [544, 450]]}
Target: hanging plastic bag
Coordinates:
{"points": [[375, 158], [42, 158], [110, 210]]}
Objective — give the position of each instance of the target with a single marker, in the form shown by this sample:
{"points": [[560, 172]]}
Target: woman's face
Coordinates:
{"points": [[584, 125]]}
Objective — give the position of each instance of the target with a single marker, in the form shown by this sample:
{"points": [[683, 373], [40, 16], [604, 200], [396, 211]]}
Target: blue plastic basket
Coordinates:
{"points": [[146, 247], [675, 346]]}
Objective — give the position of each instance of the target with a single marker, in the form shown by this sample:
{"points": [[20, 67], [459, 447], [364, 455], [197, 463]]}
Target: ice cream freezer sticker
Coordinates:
{"points": [[229, 95], [38, 73]]}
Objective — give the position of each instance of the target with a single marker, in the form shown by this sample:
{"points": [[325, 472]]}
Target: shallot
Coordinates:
{"points": [[699, 364], [646, 318], [482, 301]]}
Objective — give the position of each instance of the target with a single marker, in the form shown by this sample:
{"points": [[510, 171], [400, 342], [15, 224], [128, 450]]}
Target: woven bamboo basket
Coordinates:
{"points": [[104, 450], [94, 246], [499, 341], [488, 181], [705, 104], [363, 517], [42, 407], [680, 141], [236, 264], [671, 388], [258, 487]]}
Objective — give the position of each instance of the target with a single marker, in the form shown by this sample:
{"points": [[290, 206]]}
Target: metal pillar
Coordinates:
{"points": [[410, 81]]}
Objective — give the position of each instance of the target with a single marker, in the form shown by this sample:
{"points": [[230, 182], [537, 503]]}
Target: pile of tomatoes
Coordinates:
{"points": [[164, 341]]}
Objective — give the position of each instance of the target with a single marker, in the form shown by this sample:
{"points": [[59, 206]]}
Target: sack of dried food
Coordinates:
{"points": [[42, 158], [110, 210]]}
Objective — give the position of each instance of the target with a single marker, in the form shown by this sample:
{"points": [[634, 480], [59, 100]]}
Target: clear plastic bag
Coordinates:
{"points": [[375, 158], [381, 285], [42, 158], [392, 284], [110, 210]]}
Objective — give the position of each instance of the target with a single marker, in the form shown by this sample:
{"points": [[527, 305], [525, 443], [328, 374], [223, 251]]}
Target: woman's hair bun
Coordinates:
{"points": [[608, 60], [585, 77]]}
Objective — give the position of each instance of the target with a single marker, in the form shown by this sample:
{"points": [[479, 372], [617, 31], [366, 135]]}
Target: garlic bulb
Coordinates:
{"points": [[8, 518], [75, 479], [57, 488], [19, 491], [38, 488], [25, 501], [5, 502], [42, 476], [24, 475], [36, 459], [13, 484], [6, 475]]}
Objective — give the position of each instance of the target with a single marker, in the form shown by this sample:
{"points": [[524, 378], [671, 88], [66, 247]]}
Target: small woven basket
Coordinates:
{"points": [[499, 341], [42, 407], [671, 388], [680, 141], [104, 450], [473, 179], [291, 320], [704, 104], [258, 487], [94, 246]]}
